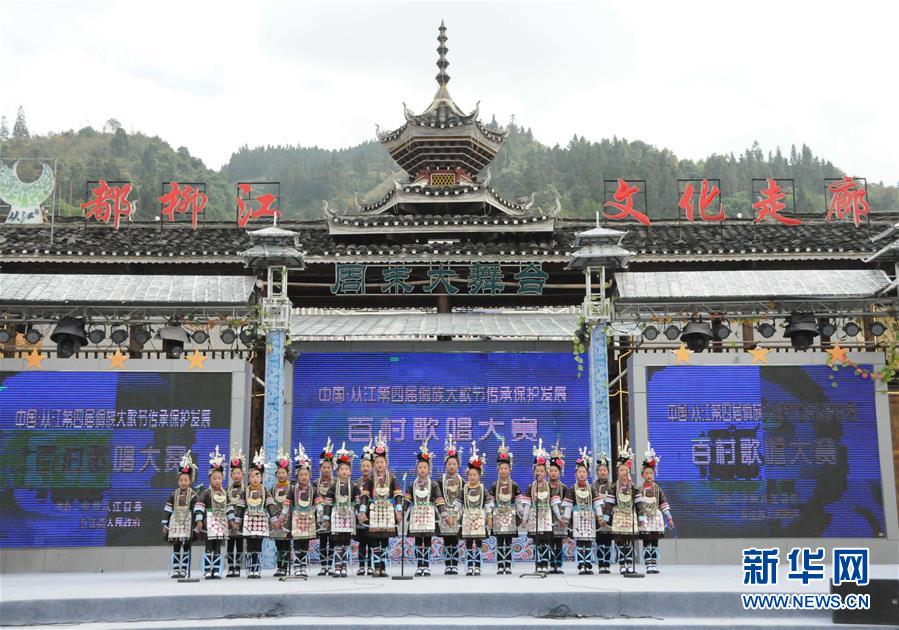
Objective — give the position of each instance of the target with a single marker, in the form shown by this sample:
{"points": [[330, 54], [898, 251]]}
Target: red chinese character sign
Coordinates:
{"points": [[181, 198], [108, 200], [624, 200], [848, 197], [707, 199], [256, 200], [770, 200]]}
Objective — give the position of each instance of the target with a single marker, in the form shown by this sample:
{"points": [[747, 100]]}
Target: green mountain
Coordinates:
{"points": [[310, 174]]}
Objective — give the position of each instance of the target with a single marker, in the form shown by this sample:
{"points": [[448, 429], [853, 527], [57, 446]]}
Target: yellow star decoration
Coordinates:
{"points": [[117, 360], [196, 359], [34, 359], [759, 354], [682, 354], [838, 354]]}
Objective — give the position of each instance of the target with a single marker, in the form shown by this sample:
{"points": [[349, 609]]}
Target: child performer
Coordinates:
{"points": [[562, 517], [344, 507], [624, 506], [654, 508], [538, 509], [177, 522], [323, 491], [587, 508], [382, 508], [303, 525], [235, 490], [474, 511], [425, 505], [501, 506], [451, 488], [282, 497], [365, 465], [602, 487], [215, 514], [256, 512]]}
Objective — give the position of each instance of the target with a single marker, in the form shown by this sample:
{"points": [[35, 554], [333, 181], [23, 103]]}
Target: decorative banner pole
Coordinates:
{"points": [[274, 250], [600, 250]]}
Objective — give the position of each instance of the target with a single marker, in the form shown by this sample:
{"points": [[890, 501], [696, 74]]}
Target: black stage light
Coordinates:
{"points": [[696, 335], [827, 328], [721, 331], [141, 336], [766, 329], [801, 330], [96, 334], [247, 335], [33, 335], [650, 333], [292, 352], [877, 329], [69, 336], [228, 336], [119, 336], [672, 332], [5, 336], [851, 329], [200, 336]]}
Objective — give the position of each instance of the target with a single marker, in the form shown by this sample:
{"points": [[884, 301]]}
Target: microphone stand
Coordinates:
{"points": [[402, 575]]}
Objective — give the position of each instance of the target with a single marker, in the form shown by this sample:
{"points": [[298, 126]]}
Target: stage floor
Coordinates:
{"points": [[681, 596]]}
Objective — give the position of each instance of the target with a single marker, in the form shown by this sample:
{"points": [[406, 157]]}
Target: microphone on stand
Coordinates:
{"points": [[402, 575]]}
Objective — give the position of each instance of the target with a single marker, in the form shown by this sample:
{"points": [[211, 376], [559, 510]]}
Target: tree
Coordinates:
{"points": [[4, 129], [119, 143], [20, 129], [112, 125]]}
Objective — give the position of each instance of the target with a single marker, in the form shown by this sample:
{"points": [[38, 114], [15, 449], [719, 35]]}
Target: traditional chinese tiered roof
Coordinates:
{"points": [[443, 151]]}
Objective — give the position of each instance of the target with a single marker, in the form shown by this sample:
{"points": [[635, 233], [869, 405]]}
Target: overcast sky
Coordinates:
{"points": [[694, 77]]}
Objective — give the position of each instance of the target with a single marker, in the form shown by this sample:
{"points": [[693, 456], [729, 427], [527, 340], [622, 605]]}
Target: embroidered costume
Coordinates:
{"points": [[324, 489], [235, 490], [602, 487], [382, 501], [474, 513], [256, 513], [362, 535], [344, 505], [178, 518], [586, 509], [539, 506], [655, 509], [624, 507], [303, 522], [425, 507], [562, 516], [503, 506], [215, 515], [451, 524], [281, 495]]}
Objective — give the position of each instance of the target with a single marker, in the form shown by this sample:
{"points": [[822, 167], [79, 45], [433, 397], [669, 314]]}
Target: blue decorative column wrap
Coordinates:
{"points": [[598, 360], [273, 421]]}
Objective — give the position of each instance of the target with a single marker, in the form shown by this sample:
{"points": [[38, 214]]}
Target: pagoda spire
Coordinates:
{"points": [[442, 77]]}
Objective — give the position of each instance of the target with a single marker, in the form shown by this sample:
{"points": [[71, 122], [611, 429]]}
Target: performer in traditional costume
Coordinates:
{"points": [[323, 491], [304, 524], [563, 518], [382, 508], [503, 509], [281, 495], [656, 511], [257, 513], [425, 508], [587, 507], [540, 507], [602, 487], [344, 506], [451, 483], [178, 517], [215, 515], [366, 462], [624, 506], [235, 490], [474, 511]]}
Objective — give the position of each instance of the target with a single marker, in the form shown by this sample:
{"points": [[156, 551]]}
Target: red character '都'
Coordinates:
{"points": [[109, 202]]}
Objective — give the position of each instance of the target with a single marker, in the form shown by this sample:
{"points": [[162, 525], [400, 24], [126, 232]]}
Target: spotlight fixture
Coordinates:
{"points": [[721, 331], [119, 336], [69, 336], [173, 340], [200, 336], [766, 329], [96, 334], [228, 336], [696, 335], [801, 330], [672, 332], [851, 329], [33, 335], [650, 333], [292, 352], [141, 336], [827, 328], [247, 335], [877, 328], [5, 336]]}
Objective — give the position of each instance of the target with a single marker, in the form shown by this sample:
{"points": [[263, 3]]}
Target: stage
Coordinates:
{"points": [[682, 596]]}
